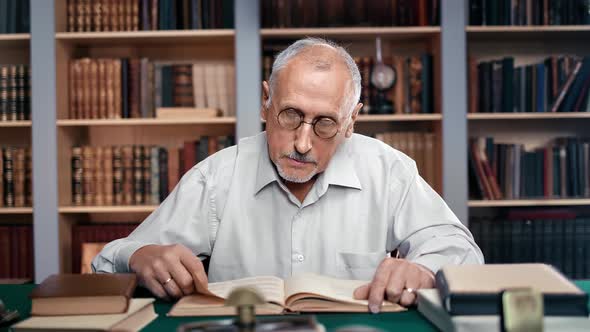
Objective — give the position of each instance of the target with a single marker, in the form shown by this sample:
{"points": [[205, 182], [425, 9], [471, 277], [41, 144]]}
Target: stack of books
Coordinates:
{"points": [[468, 298]]}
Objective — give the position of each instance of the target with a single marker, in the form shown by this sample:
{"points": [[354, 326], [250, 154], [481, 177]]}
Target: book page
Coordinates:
{"points": [[271, 288], [307, 285]]}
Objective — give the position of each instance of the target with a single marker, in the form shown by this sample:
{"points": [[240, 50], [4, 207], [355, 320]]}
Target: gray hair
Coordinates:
{"points": [[299, 46]]}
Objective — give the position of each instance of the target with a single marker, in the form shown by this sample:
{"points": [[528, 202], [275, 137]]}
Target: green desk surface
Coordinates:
{"points": [[16, 297]]}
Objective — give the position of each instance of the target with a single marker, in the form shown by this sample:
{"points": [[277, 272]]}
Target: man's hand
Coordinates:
{"points": [[169, 271], [392, 280]]}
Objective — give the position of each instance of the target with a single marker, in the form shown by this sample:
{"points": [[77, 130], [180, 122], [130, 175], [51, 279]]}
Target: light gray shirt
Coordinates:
{"points": [[369, 201]]}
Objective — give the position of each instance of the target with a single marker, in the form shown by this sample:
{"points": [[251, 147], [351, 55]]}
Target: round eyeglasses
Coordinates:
{"points": [[323, 127]]}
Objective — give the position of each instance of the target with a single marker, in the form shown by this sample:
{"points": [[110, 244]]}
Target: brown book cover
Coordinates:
{"points": [[77, 176], [5, 252], [114, 17], [183, 86], [134, 87], [105, 17], [80, 13], [134, 14], [97, 15], [128, 165], [8, 153], [12, 93], [189, 156], [15, 251], [85, 88], [88, 183], [19, 177], [146, 178], [108, 175], [123, 15], [154, 15], [72, 95], [99, 176], [3, 93], [117, 86], [72, 5], [138, 179], [93, 88], [79, 294], [101, 89], [118, 175]]}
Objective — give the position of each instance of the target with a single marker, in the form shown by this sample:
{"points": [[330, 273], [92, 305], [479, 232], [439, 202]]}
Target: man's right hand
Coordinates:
{"points": [[169, 272]]}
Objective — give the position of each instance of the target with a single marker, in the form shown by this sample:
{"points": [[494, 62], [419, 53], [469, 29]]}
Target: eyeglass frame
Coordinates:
{"points": [[312, 123]]}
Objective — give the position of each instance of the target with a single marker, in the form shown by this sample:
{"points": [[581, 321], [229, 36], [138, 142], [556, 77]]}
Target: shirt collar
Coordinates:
{"points": [[340, 170]]}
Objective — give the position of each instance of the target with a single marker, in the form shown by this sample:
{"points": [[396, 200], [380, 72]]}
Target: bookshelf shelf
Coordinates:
{"points": [[145, 122], [534, 32], [12, 124], [529, 202], [108, 209], [123, 38], [16, 210], [399, 117], [526, 116], [15, 39], [391, 33]]}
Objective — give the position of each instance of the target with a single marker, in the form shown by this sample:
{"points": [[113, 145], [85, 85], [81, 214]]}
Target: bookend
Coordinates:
{"points": [[521, 310]]}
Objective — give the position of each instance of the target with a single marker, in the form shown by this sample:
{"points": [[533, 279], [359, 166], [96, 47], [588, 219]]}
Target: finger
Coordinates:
{"points": [[377, 291], [413, 278], [161, 275], [362, 292], [156, 288], [397, 281], [172, 289], [196, 269], [182, 277]]}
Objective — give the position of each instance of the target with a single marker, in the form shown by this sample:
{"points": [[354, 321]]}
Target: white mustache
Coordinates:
{"points": [[301, 157]]}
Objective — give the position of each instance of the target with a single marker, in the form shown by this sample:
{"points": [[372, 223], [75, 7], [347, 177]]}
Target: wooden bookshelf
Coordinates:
{"points": [[529, 202], [15, 210], [145, 38], [146, 122], [107, 209], [389, 33], [532, 32], [399, 117], [528, 116], [15, 124], [15, 40]]}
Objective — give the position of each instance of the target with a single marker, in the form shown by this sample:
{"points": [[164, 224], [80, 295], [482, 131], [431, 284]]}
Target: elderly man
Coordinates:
{"points": [[307, 195]]}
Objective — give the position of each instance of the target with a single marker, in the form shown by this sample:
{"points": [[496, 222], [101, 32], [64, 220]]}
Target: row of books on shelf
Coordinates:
{"points": [[16, 251], [557, 84], [412, 90], [15, 92], [15, 177], [15, 16], [145, 15], [561, 169], [89, 239], [137, 87], [529, 12], [563, 242], [336, 13], [135, 175], [417, 145]]}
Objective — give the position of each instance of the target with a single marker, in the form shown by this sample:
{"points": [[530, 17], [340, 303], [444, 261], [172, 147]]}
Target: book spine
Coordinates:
{"points": [[8, 176], [77, 176], [3, 93]]}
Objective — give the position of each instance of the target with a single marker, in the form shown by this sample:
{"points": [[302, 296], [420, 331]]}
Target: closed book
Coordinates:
{"points": [[140, 313], [431, 307], [75, 294], [476, 289]]}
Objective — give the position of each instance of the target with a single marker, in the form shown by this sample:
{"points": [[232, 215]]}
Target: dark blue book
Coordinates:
{"points": [[556, 171], [568, 254], [227, 8], [579, 249], [426, 78], [508, 84], [540, 85], [206, 14], [538, 241], [196, 13], [11, 15], [167, 86], [576, 87]]}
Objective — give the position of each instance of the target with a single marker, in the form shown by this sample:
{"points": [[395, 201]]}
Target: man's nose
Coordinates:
{"points": [[303, 136]]}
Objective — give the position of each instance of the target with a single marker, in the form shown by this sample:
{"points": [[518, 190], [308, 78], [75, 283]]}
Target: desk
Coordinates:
{"points": [[15, 297]]}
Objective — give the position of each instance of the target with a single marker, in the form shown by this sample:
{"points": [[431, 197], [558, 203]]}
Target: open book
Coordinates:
{"points": [[301, 293]]}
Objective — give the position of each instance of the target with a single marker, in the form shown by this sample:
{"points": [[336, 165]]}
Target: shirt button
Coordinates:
{"points": [[300, 258]]}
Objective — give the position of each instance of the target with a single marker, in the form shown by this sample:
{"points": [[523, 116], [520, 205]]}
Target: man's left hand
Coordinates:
{"points": [[392, 280]]}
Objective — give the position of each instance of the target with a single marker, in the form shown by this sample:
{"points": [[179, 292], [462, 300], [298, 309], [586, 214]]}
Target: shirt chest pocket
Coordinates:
{"points": [[359, 266]]}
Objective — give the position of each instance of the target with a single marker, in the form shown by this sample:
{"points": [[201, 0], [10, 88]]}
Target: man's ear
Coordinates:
{"points": [[265, 96], [350, 128]]}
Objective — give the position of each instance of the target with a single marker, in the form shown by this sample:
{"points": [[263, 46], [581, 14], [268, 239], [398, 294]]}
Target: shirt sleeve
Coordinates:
{"points": [[428, 233], [185, 217]]}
